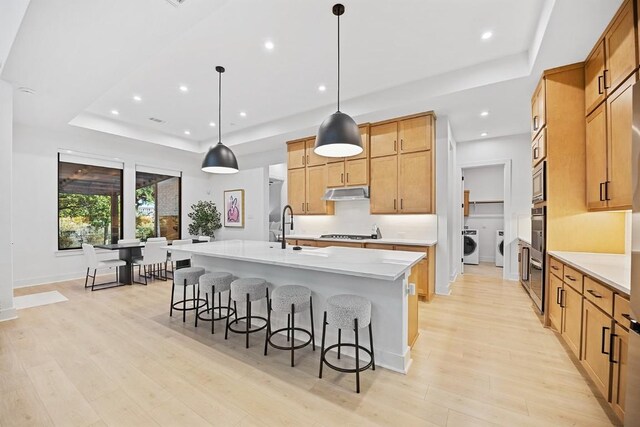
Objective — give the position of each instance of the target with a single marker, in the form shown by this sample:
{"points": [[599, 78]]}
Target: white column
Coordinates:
{"points": [[7, 309]]}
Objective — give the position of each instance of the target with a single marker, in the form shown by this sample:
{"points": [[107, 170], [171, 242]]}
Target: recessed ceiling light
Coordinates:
{"points": [[187, 132], [484, 113], [322, 88], [487, 35], [212, 124], [115, 112], [184, 88], [137, 98], [243, 114], [484, 134], [269, 45]]}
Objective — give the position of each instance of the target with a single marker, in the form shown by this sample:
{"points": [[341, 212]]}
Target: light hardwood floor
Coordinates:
{"points": [[114, 357]]}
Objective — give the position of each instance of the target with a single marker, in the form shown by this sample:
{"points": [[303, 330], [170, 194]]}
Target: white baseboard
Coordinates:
{"points": [[488, 259], [513, 277], [8, 314], [44, 280]]}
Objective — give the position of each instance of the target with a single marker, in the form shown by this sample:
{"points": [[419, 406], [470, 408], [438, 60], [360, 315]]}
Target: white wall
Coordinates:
{"points": [[7, 311], [515, 150], [446, 219], [485, 183], [255, 183], [36, 258]]}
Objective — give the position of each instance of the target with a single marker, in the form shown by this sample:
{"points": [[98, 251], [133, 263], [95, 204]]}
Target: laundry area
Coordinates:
{"points": [[483, 220]]}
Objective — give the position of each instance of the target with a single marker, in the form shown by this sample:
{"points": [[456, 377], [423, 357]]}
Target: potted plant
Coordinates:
{"points": [[205, 219]]}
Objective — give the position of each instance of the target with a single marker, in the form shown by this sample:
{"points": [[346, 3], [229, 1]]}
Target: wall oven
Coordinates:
{"points": [[524, 267], [537, 257], [539, 183]]}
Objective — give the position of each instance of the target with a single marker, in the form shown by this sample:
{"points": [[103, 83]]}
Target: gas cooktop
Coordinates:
{"points": [[346, 236]]}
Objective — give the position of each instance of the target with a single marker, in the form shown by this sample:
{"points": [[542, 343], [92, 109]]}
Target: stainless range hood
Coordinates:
{"points": [[346, 193]]}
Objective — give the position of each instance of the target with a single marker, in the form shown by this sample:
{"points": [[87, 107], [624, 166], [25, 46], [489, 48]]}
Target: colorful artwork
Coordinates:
{"points": [[234, 208]]}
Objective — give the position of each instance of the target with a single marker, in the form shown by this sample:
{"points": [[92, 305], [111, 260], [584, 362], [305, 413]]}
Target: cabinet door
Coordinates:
{"points": [[316, 181], [555, 303], [538, 110], [620, 43], [412, 306], [414, 182], [357, 172], [594, 92], [572, 322], [296, 190], [364, 138], [295, 155], [596, 327], [539, 148], [620, 360], [384, 185], [619, 115], [415, 134], [596, 151], [384, 139], [312, 158], [335, 172]]}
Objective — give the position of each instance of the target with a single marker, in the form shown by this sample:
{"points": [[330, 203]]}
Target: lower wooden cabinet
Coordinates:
{"points": [[326, 244], [620, 362], [572, 318], [554, 311], [596, 346]]}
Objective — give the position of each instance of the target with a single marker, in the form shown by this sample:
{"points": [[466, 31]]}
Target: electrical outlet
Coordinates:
{"points": [[412, 289]]}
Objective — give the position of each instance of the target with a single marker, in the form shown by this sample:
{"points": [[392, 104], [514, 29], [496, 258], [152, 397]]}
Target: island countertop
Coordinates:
{"points": [[373, 263]]}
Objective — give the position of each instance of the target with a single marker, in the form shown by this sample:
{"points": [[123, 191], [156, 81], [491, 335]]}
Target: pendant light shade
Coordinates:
{"points": [[220, 159], [338, 135]]}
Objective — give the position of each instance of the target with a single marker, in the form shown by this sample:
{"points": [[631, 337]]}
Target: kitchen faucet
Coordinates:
{"points": [[284, 211]]}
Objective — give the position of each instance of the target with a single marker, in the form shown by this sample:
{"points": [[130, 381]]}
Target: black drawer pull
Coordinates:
{"points": [[573, 279], [612, 344], [554, 267], [626, 316], [594, 293]]}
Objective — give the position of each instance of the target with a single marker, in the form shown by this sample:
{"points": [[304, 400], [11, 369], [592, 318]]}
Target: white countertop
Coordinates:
{"points": [[374, 263], [612, 269], [383, 241]]}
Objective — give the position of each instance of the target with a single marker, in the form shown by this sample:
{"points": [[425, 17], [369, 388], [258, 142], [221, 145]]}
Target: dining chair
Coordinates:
{"points": [[154, 255], [93, 263], [156, 239]]}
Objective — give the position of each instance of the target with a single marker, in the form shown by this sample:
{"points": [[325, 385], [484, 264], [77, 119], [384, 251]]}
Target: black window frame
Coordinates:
{"points": [[179, 200]]}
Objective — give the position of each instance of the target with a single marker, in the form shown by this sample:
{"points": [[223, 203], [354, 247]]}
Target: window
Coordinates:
{"points": [[89, 202], [158, 195]]}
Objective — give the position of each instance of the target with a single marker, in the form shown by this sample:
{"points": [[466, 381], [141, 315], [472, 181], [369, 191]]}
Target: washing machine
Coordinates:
{"points": [[499, 248], [471, 247]]}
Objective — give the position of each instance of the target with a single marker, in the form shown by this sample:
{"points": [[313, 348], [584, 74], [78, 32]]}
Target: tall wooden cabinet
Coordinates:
{"points": [[306, 179], [402, 165]]}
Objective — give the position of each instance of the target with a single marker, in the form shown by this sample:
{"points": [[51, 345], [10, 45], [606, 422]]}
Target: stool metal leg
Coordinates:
{"points": [[313, 334], [339, 341], [219, 303], [184, 301], [324, 333], [213, 303], [173, 288], [293, 330], [355, 321], [268, 335], [288, 326], [196, 306], [248, 321], [226, 331], [373, 359]]}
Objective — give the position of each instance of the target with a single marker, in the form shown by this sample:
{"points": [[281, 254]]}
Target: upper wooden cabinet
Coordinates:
{"points": [[351, 171], [539, 148], [538, 110], [296, 154], [620, 48], [384, 139], [384, 185], [415, 134], [296, 190], [315, 186], [608, 145], [414, 182], [594, 90], [312, 158]]}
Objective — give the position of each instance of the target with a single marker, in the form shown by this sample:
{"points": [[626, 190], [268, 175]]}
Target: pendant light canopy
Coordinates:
{"points": [[220, 159], [338, 135]]}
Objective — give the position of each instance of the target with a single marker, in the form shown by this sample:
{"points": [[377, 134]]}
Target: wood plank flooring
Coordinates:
{"points": [[116, 358]]}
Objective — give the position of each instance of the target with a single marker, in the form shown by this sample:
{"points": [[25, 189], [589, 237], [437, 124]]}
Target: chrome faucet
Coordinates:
{"points": [[284, 210]]}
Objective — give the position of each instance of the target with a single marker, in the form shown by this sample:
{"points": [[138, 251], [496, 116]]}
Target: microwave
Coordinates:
{"points": [[539, 183]]}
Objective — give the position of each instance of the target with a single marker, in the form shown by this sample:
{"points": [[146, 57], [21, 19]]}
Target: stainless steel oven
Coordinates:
{"points": [[539, 183], [537, 256]]}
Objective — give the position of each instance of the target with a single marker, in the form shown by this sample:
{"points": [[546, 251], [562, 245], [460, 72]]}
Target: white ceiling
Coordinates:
{"points": [[85, 59]]}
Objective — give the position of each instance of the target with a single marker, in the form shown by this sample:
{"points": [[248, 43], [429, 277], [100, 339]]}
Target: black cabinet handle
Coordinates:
{"points": [[567, 276], [555, 267], [347, 177], [626, 316], [600, 92], [604, 331], [606, 190], [605, 79], [558, 290], [342, 178], [601, 192], [594, 293], [563, 299], [612, 338]]}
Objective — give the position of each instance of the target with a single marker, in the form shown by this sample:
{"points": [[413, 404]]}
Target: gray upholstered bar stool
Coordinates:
{"points": [[246, 290], [185, 277], [212, 284], [290, 299], [348, 312]]}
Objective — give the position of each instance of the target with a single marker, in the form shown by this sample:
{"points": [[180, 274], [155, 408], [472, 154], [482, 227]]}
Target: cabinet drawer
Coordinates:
{"points": [[621, 308], [599, 294], [557, 267], [307, 243], [412, 248], [383, 246], [573, 278], [326, 244]]}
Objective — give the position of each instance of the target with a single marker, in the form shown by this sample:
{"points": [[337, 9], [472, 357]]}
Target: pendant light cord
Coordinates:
{"points": [[338, 62], [219, 107]]}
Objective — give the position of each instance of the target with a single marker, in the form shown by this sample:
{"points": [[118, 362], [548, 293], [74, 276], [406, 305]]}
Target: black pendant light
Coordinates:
{"points": [[338, 135], [220, 158]]}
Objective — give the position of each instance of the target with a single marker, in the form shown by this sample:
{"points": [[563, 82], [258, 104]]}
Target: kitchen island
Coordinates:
{"points": [[378, 275]]}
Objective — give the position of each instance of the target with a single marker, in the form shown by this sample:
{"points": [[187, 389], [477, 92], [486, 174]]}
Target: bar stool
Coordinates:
{"points": [[348, 312], [186, 277], [212, 283], [290, 299], [246, 290]]}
